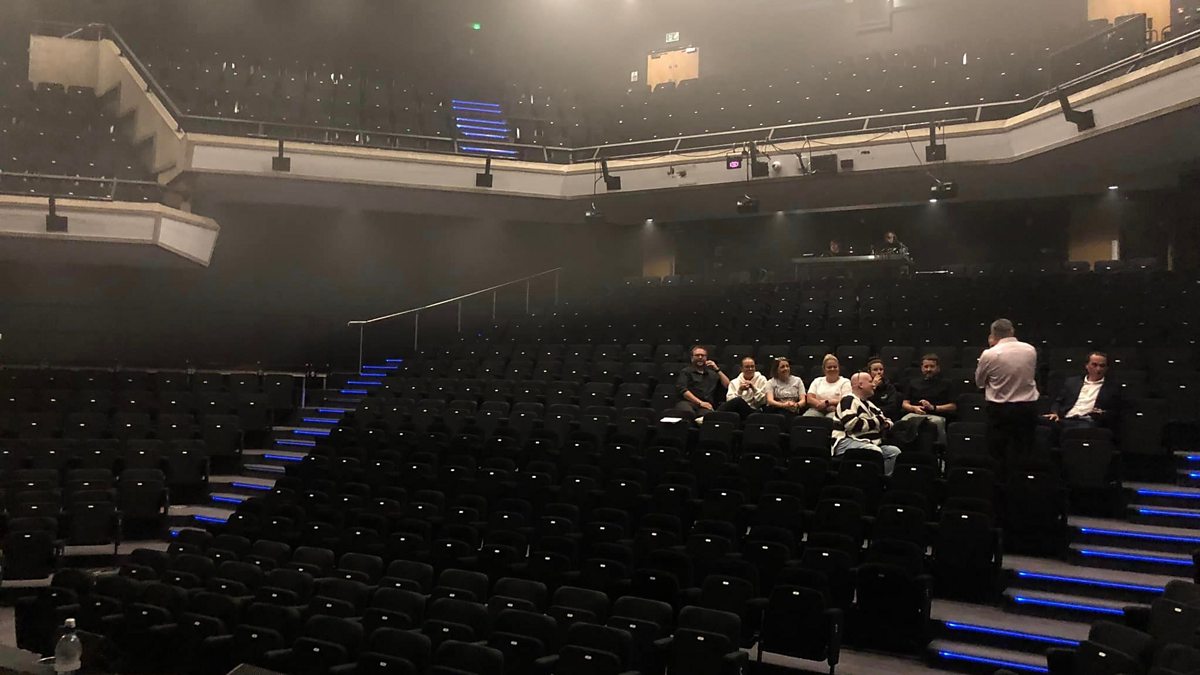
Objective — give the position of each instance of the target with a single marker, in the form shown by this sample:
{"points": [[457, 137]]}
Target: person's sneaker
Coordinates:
{"points": [[699, 420]]}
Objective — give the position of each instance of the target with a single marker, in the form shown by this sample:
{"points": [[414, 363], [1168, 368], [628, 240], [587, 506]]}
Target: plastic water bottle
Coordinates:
{"points": [[68, 653]]}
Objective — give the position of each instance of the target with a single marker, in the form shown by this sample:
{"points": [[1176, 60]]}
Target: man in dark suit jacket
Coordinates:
{"points": [[1089, 401]]}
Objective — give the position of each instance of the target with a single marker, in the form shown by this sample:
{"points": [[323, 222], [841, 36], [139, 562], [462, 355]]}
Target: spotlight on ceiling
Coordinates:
{"points": [[611, 182], [484, 180], [747, 204], [593, 214], [943, 189], [1114, 187]]}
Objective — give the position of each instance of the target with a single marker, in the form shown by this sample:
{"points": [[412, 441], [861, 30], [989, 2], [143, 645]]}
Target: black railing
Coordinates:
{"points": [[79, 187], [1128, 38]]}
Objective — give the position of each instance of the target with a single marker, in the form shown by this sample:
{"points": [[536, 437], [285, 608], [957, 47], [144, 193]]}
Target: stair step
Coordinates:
{"points": [[377, 367], [295, 443], [984, 625], [1187, 477], [1186, 456], [320, 420], [227, 498], [1063, 604], [275, 454], [265, 468], [326, 410], [1132, 559], [1057, 576], [1174, 515], [199, 514], [1164, 494], [1136, 535], [985, 659], [302, 431], [241, 485]]}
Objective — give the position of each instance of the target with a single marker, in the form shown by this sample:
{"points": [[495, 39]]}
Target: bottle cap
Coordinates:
{"points": [[70, 623]]}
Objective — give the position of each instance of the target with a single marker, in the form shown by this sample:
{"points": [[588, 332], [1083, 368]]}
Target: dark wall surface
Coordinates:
{"points": [[282, 284]]}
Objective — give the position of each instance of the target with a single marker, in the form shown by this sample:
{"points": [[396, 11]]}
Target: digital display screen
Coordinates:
{"points": [[733, 162]]}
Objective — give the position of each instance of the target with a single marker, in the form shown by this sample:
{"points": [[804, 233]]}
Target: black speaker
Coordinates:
{"points": [[847, 164], [824, 163], [483, 180], [283, 164]]}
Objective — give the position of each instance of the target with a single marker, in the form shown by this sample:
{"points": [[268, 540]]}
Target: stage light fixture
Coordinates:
{"points": [[593, 214], [943, 189], [934, 152], [55, 222], [1082, 119], [611, 182], [484, 180], [747, 204], [1114, 187], [281, 163], [758, 169]]}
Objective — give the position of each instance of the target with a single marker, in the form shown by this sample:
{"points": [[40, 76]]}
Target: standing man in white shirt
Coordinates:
{"points": [[1006, 373], [747, 393]]}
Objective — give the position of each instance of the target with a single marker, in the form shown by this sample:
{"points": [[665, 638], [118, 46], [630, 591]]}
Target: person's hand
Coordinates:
{"points": [[1051, 416], [746, 385], [887, 424], [1097, 411], [710, 364], [705, 405], [878, 380], [926, 406], [831, 403]]}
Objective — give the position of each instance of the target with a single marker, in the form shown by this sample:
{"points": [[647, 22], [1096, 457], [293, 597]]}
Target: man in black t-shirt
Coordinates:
{"points": [[930, 396], [701, 385]]}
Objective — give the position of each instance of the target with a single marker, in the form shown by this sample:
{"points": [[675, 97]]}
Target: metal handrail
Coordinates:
{"points": [[594, 153], [416, 311]]}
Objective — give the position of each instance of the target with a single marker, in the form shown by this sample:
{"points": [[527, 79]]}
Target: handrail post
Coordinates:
{"points": [[416, 331], [493, 306], [460, 316], [361, 328], [556, 288], [527, 298]]}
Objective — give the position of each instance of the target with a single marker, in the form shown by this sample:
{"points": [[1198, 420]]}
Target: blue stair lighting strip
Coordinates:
{"points": [[228, 500], [1149, 536], [472, 120], [365, 383], [319, 420], [1172, 514], [283, 458], [372, 374], [1110, 555], [353, 391], [173, 532], [474, 127], [473, 109], [1001, 663], [1083, 581], [479, 103], [1039, 602], [294, 442], [1193, 458], [370, 367], [333, 411], [311, 432], [1001, 632], [209, 519], [1149, 492], [490, 151], [476, 134], [393, 360], [251, 486]]}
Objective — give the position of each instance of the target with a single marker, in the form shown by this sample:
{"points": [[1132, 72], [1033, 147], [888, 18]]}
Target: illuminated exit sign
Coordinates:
{"points": [[672, 37]]}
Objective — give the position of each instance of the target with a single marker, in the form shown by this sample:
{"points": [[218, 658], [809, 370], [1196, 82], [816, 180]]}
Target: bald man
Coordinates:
{"points": [[860, 424]]}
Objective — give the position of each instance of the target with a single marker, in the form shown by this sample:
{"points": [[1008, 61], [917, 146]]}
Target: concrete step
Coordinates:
{"points": [[240, 484], [1108, 532], [975, 658], [1163, 494], [227, 498], [993, 627], [1059, 577], [1063, 606], [1170, 516], [1132, 559], [198, 516]]}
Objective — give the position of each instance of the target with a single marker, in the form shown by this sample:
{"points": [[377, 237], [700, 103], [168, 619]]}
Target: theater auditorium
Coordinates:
{"points": [[600, 337]]}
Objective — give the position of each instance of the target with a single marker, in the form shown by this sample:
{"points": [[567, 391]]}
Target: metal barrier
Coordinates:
{"points": [[416, 311], [658, 147]]}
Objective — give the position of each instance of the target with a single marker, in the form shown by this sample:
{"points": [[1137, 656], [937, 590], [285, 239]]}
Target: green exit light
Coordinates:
{"points": [[476, 26]]}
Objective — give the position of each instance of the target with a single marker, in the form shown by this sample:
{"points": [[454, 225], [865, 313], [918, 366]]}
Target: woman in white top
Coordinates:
{"points": [[785, 392], [825, 392], [747, 392]]}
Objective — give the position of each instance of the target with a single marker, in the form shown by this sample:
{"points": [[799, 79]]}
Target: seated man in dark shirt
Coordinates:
{"points": [[1088, 401], [930, 396], [701, 385], [891, 244]]}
